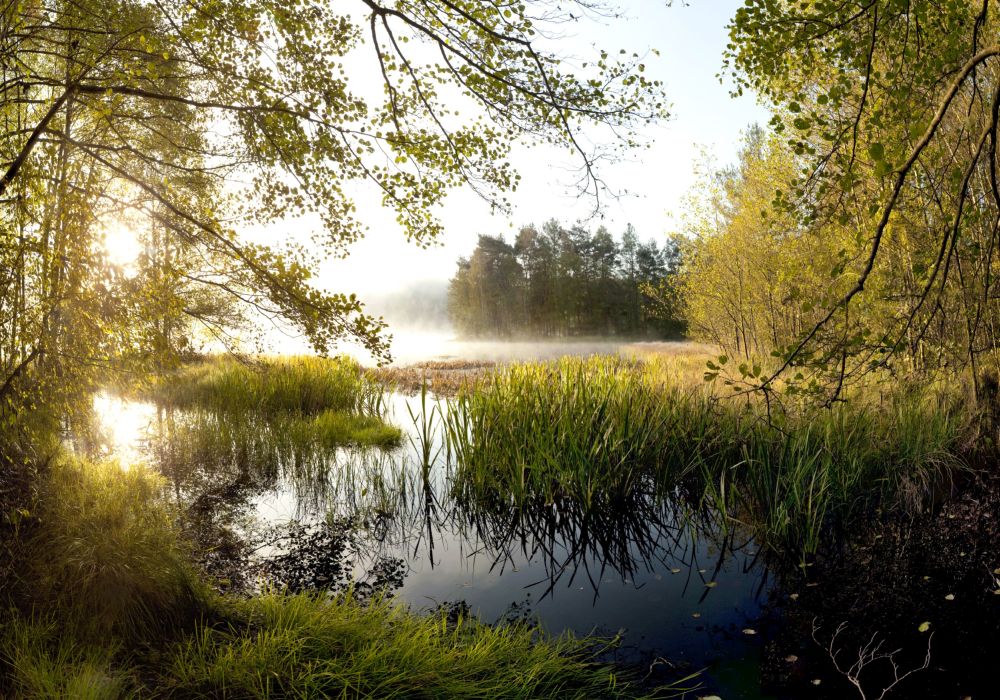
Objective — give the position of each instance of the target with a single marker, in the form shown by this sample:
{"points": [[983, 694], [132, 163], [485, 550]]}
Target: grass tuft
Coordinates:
{"points": [[317, 646], [104, 548], [300, 385]]}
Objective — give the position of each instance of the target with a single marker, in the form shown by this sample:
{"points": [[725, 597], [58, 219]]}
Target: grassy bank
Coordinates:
{"points": [[308, 401], [591, 431], [106, 605]]}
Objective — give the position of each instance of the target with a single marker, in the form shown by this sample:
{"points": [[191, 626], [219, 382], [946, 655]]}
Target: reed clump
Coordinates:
{"points": [[592, 431], [304, 402], [303, 385]]}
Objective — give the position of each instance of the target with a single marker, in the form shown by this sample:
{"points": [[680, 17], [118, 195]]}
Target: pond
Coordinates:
{"points": [[651, 569], [680, 597]]}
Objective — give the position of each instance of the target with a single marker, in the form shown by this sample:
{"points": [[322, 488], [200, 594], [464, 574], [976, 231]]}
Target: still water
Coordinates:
{"points": [[681, 599]]}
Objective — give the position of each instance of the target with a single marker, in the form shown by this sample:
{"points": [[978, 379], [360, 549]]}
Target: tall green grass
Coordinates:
{"points": [[585, 432], [103, 546], [44, 662], [313, 646], [305, 402], [301, 385]]}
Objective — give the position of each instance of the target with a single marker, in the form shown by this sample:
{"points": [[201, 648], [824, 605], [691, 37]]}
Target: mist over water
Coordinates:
{"points": [[421, 332], [412, 346]]}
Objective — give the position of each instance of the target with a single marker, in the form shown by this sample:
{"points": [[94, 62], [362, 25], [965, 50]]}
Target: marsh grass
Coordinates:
{"points": [[316, 646], [305, 402], [44, 662], [576, 433], [103, 546], [300, 385]]}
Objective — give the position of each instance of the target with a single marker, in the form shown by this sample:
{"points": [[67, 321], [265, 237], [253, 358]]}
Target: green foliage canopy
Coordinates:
{"points": [[890, 108], [191, 122]]}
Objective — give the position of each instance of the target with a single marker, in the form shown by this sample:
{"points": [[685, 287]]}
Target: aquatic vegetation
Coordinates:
{"points": [[579, 429], [301, 385], [443, 377], [306, 403], [574, 432]]}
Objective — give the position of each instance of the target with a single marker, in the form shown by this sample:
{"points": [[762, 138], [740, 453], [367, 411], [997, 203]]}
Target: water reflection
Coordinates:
{"points": [[262, 506]]}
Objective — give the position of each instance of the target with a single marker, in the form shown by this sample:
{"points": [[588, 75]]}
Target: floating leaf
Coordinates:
{"points": [[711, 584], [749, 632], [924, 626], [950, 596]]}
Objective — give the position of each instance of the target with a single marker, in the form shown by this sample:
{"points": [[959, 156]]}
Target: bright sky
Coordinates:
{"points": [[691, 40]]}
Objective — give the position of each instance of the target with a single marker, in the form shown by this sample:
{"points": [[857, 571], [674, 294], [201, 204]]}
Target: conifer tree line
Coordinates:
{"points": [[558, 282]]}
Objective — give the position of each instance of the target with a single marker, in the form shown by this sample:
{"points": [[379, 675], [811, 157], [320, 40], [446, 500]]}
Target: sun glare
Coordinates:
{"points": [[121, 245]]}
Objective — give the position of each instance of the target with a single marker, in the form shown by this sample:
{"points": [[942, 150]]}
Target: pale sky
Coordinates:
{"points": [[691, 40]]}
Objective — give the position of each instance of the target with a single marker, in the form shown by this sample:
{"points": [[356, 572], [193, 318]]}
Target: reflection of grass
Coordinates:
{"points": [[579, 432], [107, 606]]}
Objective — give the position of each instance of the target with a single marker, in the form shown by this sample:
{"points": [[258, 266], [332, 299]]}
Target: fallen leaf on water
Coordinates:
{"points": [[696, 615], [675, 571], [709, 697], [749, 631], [924, 626], [816, 681], [791, 658], [711, 584], [794, 596], [950, 596]]}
